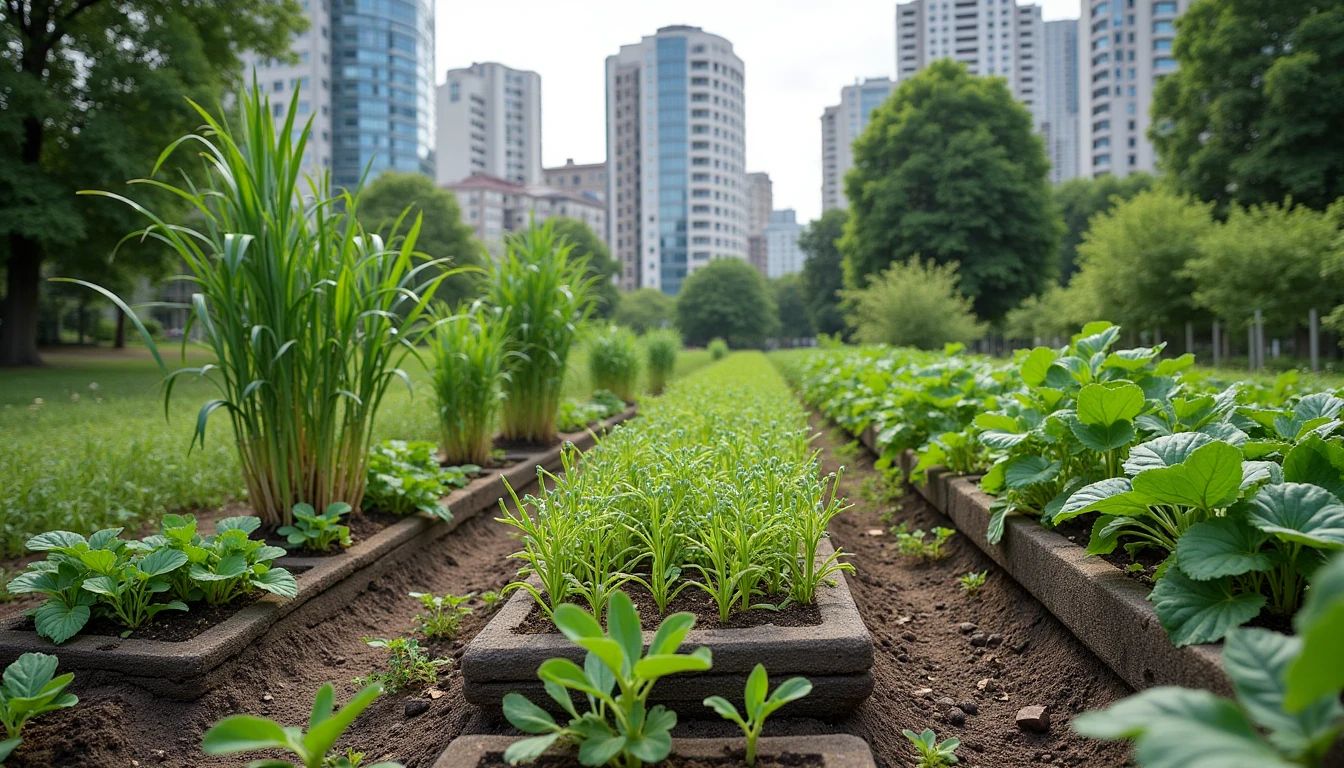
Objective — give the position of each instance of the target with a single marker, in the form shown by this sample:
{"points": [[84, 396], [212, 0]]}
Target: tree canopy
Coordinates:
{"points": [[1078, 200], [950, 168], [791, 307], [644, 310], [600, 264], [726, 298], [823, 271]]}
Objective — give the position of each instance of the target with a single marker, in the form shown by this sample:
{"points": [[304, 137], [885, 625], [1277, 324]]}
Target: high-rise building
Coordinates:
{"points": [[783, 256], [494, 207], [489, 119], [311, 77], [840, 126], [1124, 49], [676, 150], [760, 202], [991, 37], [1060, 126], [589, 180]]}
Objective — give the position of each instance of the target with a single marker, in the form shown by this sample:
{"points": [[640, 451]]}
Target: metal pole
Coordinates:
{"points": [[1314, 339], [1217, 344], [1250, 346], [1189, 337], [1259, 340]]}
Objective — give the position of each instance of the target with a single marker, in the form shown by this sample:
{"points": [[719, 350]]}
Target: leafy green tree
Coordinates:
{"points": [[951, 169], [92, 91], [791, 305], [1132, 260], [824, 271], [726, 298], [600, 264], [913, 304], [1078, 200], [442, 233], [644, 309], [1253, 115]]}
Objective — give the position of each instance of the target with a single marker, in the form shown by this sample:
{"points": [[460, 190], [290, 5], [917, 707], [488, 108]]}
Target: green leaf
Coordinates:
{"points": [[1036, 365], [28, 675], [1317, 462], [1131, 359], [1227, 742], [623, 626], [1130, 717], [575, 623], [1111, 403], [7, 747], [161, 561], [55, 540], [1297, 512], [1201, 611], [244, 733], [323, 704], [1104, 437], [277, 581], [1113, 496], [600, 749], [653, 748], [1106, 532], [758, 682], [1165, 451], [609, 652], [792, 689], [1208, 479], [671, 633], [319, 740], [526, 716], [1223, 546], [1317, 405], [1025, 471], [566, 673], [1257, 660], [725, 709], [58, 621], [1318, 670], [1174, 364], [528, 750], [653, 667]]}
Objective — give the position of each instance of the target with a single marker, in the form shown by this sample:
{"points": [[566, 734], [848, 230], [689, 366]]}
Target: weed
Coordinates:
{"points": [[972, 582], [931, 752], [443, 613], [915, 544], [408, 666]]}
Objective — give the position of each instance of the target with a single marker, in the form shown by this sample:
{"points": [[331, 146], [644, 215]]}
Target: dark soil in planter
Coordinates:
{"points": [[522, 446], [692, 600], [736, 759], [1079, 531]]}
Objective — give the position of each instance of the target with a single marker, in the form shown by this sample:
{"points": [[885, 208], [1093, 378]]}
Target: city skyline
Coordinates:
{"points": [[786, 90]]}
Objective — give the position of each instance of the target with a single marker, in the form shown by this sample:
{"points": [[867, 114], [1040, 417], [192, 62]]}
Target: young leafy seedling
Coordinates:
{"points": [[317, 532], [972, 582], [28, 690], [758, 707], [490, 600], [248, 733], [932, 753], [408, 666], [914, 544], [444, 613]]}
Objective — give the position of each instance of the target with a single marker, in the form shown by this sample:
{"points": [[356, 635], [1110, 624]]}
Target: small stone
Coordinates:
{"points": [[416, 707], [939, 606], [965, 627], [338, 661], [267, 697], [987, 685], [994, 641], [876, 532], [969, 707], [909, 636], [903, 657], [955, 716], [1034, 719], [979, 639], [922, 692], [885, 642], [1047, 757], [945, 702], [904, 619], [1021, 646]]}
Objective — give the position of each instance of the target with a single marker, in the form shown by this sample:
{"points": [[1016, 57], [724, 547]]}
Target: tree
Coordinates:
{"points": [[600, 264], [442, 233], [644, 310], [1252, 114], [823, 271], [913, 304], [726, 298], [950, 168], [1132, 260], [1078, 200], [791, 306], [93, 90]]}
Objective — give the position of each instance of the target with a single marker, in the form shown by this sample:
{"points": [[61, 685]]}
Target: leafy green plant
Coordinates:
{"points": [[916, 544], [576, 415], [317, 532], [60, 578], [618, 727], [718, 349], [126, 586], [406, 476], [471, 359], [758, 706], [408, 666], [931, 753], [661, 347], [308, 316], [225, 566], [29, 689], [490, 600], [249, 733], [614, 361], [443, 613], [971, 583]]}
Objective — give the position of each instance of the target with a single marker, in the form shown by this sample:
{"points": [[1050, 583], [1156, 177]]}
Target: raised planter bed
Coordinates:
{"points": [[836, 655], [189, 668], [829, 751], [1108, 611]]}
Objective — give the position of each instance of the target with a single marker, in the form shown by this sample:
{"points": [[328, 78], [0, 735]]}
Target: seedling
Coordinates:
{"points": [[408, 666], [317, 532], [915, 545], [444, 613], [972, 582], [249, 733], [490, 600], [28, 690], [849, 451], [930, 752], [759, 707]]}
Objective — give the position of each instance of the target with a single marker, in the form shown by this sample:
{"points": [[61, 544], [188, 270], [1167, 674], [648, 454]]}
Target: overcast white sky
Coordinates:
{"points": [[798, 54]]}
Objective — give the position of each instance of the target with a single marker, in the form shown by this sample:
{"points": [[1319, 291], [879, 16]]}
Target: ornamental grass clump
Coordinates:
{"points": [[613, 362], [470, 370], [308, 316], [543, 291], [661, 347]]}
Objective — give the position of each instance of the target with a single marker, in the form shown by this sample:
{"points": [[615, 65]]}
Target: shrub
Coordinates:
{"points": [[470, 359], [728, 298], [405, 477], [662, 347], [644, 310], [718, 349], [613, 362], [913, 304]]}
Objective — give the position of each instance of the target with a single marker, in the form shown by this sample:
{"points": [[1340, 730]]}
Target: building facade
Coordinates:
{"points": [[676, 150], [783, 256], [760, 202], [589, 180], [311, 77], [840, 126], [1124, 49], [489, 121], [494, 207], [1060, 126]]}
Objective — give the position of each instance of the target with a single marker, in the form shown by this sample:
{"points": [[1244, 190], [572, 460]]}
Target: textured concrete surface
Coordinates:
{"points": [[835, 750], [187, 669]]}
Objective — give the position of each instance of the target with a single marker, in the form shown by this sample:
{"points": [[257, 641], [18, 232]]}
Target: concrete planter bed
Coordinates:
{"points": [[830, 751], [1108, 611], [189, 668], [836, 655]]}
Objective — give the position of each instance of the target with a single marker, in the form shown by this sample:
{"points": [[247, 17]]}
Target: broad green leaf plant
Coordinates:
{"points": [[30, 688], [405, 477], [758, 706]]}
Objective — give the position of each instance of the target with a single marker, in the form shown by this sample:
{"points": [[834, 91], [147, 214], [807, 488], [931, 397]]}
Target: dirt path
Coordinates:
{"points": [[913, 611]]}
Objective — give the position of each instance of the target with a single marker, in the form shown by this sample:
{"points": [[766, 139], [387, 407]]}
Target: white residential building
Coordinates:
{"points": [[1060, 127], [494, 207], [311, 77], [1124, 49], [760, 202], [589, 180], [782, 254], [489, 121], [676, 149], [840, 126]]}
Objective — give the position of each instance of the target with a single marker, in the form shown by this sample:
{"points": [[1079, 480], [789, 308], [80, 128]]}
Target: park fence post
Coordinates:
{"points": [[1259, 340], [1250, 346], [1217, 343], [1189, 337], [1313, 339]]}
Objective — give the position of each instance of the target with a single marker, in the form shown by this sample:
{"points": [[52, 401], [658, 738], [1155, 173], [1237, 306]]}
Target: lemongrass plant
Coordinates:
{"points": [[308, 316], [545, 293], [470, 357], [661, 347], [613, 361]]}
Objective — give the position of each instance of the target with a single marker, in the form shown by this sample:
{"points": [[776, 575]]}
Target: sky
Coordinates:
{"points": [[798, 54]]}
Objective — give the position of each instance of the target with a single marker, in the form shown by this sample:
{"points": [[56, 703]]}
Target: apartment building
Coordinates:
{"points": [[589, 180], [494, 207], [1060, 125], [489, 121], [783, 256], [840, 126]]}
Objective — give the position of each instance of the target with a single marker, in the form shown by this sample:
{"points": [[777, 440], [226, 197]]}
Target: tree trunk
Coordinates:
{"points": [[120, 342], [18, 326]]}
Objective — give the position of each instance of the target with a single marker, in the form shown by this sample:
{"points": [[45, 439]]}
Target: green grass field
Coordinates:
{"points": [[87, 445]]}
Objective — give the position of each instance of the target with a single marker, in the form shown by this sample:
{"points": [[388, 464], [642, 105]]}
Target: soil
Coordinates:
{"points": [[692, 600], [1079, 531], [735, 759], [523, 446], [912, 609]]}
